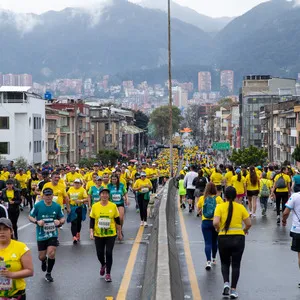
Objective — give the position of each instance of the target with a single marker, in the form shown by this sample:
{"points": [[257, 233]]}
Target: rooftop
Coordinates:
{"points": [[21, 89]]}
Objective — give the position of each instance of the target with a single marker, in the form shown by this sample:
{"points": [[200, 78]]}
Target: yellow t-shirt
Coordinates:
{"points": [[12, 256], [104, 185], [236, 225], [107, 171], [10, 194], [70, 178], [287, 180], [266, 181], [239, 185], [59, 192], [216, 178], [269, 174], [250, 186], [23, 180], [200, 205], [104, 216], [228, 177], [90, 184], [142, 183], [77, 194], [4, 175], [258, 172]]}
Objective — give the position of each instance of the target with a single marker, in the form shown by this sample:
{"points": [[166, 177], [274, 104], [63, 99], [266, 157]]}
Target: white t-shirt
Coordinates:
{"points": [[294, 204], [189, 178]]}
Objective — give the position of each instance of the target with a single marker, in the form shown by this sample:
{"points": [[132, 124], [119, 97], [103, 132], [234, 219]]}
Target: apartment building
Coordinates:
{"points": [[22, 125], [204, 81]]}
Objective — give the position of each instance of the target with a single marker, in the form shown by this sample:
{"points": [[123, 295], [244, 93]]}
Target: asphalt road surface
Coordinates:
{"points": [[76, 271], [269, 268]]}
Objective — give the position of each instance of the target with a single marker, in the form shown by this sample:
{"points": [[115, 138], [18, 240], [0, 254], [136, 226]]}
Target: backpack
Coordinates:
{"points": [[280, 183], [265, 192], [209, 207], [273, 175]]}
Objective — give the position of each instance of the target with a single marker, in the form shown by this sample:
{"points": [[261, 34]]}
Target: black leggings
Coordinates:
{"points": [[154, 185], [231, 249], [104, 248], [143, 206], [76, 224], [282, 198], [13, 215]]}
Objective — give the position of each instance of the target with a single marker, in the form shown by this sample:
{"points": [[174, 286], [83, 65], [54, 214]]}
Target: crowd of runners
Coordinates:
{"points": [[226, 197], [60, 194]]}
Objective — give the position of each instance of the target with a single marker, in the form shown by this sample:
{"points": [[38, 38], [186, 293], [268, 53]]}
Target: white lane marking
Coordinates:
{"points": [[24, 226]]}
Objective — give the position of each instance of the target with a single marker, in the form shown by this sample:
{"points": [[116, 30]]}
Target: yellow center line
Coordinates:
{"points": [[130, 266], [188, 257]]}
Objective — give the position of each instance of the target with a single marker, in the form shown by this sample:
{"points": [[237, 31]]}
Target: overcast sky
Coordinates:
{"points": [[214, 8]]}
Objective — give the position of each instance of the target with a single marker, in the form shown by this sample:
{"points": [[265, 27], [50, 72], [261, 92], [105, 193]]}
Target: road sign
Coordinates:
{"points": [[221, 146]]}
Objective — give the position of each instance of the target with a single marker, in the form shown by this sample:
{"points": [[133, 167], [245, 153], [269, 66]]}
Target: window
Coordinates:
{"points": [[106, 126], [29, 146], [108, 138], [37, 123], [4, 147], [4, 122], [37, 147]]}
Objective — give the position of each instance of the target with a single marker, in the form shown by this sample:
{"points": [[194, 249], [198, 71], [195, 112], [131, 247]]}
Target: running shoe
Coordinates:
{"points": [[226, 289], [183, 206], [49, 278], [234, 294], [145, 224], [142, 223], [208, 266], [254, 215], [75, 240], [44, 265], [190, 210], [108, 278], [263, 212], [278, 220], [299, 285], [102, 270], [214, 261], [78, 236]]}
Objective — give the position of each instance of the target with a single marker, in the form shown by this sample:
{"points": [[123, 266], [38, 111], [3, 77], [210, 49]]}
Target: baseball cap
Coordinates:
{"points": [[96, 164], [104, 190], [238, 171], [77, 180], [143, 174], [47, 192], [6, 222], [98, 178]]}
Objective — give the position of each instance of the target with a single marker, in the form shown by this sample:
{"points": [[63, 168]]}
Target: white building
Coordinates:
{"points": [[22, 124]]}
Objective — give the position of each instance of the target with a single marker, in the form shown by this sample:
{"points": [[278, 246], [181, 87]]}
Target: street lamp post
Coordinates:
{"points": [[170, 88]]}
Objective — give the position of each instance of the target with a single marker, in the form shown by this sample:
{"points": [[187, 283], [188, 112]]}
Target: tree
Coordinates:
{"points": [[160, 120], [87, 162], [296, 153], [21, 162], [106, 156], [248, 156], [141, 120]]}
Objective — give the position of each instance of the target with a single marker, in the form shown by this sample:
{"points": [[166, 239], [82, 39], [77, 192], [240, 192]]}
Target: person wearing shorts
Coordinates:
{"points": [[48, 216], [293, 204]]}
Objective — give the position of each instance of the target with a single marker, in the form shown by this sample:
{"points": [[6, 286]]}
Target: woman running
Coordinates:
{"points": [[228, 176], [104, 227], [118, 195], [181, 191], [239, 183], [32, 187], [228, 221], [253, 187], [217, 178], [78, 198], [206, 207], [94, 192], [265, 192], [200, 183]]}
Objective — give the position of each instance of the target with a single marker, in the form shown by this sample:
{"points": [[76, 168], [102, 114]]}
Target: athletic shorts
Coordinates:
{"points": [[295, 241], [240, 195], [43, 245], [252, 193], [190, 193], [121, 205]]}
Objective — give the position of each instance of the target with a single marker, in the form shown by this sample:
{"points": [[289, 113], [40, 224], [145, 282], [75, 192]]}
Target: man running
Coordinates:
{"points": [[190, 188], [48, 216]]}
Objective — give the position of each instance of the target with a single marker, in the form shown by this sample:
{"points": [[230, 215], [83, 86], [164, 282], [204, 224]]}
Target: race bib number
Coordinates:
{"points": [[55, 198], [104, 223], [5, 284], [49, 227], [96, 199], [116, 197], [144, 190], [74, 197]]}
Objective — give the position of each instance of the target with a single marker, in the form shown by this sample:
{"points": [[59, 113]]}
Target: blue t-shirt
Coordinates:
{"points": [[50, 213], [116, 195], [296, 179], [95, 194]]}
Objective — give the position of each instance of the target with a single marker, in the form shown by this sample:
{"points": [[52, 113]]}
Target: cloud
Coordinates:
{"points": [[93, 9]]}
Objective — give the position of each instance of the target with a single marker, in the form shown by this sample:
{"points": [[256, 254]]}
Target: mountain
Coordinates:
{"points": [[189, 15], [100, 40], [264, 40]]}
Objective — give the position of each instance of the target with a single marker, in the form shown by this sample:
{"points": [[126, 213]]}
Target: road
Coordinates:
{"points": [[269, 268], [76, 271]]}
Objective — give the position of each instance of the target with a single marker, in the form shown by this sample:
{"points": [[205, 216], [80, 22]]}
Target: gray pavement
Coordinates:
{"points": [[76, 271], [269, 268]]}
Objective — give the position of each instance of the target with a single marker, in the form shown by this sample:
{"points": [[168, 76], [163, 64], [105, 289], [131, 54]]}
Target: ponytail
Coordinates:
{"points": [[239, 177], [230, 195]]}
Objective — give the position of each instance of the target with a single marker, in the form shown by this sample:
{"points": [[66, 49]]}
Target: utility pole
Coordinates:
{"points": [[170, 88], [272, 130]]}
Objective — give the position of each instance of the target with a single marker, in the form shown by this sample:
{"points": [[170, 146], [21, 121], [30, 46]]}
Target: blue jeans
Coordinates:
{"points": [[210, 238]]}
